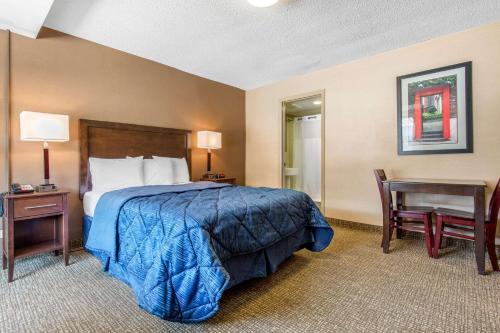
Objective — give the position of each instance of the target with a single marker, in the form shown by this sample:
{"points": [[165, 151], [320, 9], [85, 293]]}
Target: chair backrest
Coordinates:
{"points": [[494, 204], [380, 177]]}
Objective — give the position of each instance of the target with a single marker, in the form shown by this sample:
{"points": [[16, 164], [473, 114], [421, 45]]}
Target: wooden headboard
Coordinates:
{"points": [[117, 140]]}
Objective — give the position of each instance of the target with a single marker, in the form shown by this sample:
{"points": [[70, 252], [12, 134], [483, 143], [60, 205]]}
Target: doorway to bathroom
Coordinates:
{"points": [[303, 145]]}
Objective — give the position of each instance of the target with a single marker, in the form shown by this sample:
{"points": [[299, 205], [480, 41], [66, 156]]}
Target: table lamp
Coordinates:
{"points": [[209, 140], [45, 127]]}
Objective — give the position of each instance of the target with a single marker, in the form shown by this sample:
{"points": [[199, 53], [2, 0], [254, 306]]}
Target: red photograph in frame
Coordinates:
{"points": [[435, 111]]}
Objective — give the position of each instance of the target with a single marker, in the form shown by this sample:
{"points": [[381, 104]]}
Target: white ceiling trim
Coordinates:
{"points": [[24, 17]]}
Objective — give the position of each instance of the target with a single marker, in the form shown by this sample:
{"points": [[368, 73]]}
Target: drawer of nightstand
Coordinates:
{"points": [[24, 207]]}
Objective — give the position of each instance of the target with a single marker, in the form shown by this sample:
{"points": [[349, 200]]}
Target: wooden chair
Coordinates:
{"points": [[460, 224], [408, 218]]}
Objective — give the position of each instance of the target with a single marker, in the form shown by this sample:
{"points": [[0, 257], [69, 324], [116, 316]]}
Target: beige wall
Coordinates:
{"points": [[360, 116], [4, 111], [59, 73]]}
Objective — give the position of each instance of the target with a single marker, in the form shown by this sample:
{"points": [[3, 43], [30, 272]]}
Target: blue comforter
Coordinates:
{"points": [[171, 242]]}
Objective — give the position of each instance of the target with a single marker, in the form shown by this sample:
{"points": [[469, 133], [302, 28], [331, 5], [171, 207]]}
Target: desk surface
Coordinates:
{"points": [[437, 181]]}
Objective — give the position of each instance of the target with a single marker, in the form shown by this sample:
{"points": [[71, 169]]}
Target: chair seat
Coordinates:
{"points": [[458, 214], [417, 212], [461, 224], [417, 209], [454, 213]]}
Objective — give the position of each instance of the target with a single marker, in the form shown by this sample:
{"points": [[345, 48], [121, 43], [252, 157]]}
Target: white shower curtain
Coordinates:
{"points": [[307, 155]]}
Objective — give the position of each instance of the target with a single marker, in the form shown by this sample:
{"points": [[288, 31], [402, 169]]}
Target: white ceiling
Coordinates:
{"points": [[232, 42], [24, 17]]}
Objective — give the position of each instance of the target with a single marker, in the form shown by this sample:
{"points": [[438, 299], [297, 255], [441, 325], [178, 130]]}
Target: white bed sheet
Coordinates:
{"points": [[90, 200]]}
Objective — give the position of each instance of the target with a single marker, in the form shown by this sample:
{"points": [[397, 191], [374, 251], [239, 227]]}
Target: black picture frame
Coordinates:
{"points": [[468, 111]]}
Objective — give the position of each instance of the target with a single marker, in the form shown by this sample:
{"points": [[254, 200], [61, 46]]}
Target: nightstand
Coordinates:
{"points": [[33, 224], [231, 181]]}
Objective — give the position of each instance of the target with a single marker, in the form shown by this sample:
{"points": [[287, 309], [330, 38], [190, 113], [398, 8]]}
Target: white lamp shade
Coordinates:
{"points": [[262, 3], [36, 126], [210, 140]]}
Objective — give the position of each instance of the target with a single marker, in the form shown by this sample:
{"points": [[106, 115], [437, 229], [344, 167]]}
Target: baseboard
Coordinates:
{"points": [[354, 225], [76, 245], [379, 229]]}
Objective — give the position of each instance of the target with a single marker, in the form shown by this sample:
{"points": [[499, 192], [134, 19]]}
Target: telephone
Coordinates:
{"points": [[22, 188]]}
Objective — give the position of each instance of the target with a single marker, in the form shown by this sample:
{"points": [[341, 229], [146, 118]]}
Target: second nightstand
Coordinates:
{"points": [[33, 224]]}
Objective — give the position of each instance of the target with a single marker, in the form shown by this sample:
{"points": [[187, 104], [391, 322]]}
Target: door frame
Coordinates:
{"points": [[320, 93]]}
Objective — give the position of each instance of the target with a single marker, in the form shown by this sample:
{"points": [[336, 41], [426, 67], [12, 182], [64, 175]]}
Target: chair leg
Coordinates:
{"points": [[439, 236], [490, 245], [429, 237], [391, 230], [399, 231]]}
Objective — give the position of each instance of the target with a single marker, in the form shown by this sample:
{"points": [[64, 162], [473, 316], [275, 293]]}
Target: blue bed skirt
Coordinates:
{"points": [[240, 268]]}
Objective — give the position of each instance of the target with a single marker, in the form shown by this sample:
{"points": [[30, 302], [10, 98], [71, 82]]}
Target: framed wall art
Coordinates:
{"points": [[435, 111]]}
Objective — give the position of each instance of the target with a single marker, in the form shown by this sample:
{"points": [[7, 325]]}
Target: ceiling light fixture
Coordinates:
{"points": [[317, 102], [262, 3]]}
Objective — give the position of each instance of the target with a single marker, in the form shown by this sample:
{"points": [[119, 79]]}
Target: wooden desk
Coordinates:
{"points": [[474, 188], [33, 224]]}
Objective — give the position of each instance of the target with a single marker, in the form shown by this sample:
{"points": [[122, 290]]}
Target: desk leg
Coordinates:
{"points": [[386, 208], [479, 207]]}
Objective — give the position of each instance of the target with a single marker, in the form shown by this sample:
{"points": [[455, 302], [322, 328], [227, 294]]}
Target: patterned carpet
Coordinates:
{"points": [[351, 287]]}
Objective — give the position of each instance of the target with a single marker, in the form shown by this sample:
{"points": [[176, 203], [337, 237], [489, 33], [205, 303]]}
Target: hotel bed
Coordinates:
{"points": [[180, 246]]}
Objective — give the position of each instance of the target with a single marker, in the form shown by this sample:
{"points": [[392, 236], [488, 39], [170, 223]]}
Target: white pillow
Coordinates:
{"points": [[180, 168], [181, 171], [112, 174], [158, 172]]}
